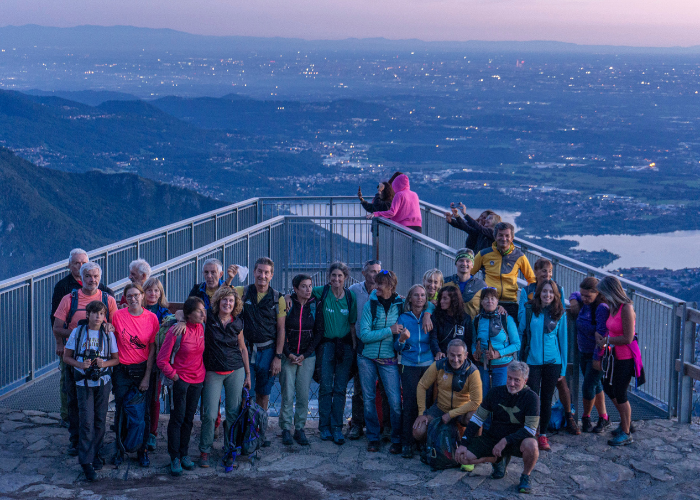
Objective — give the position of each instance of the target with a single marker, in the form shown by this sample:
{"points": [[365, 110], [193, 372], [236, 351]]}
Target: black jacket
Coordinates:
{"points": [[479, 237], [377, 205], [445, 329], [260, 317], [66, 286], [300, 335], [221, 350]]}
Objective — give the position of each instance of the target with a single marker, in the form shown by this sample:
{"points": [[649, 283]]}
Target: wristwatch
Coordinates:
{"points": [[279, 355]]}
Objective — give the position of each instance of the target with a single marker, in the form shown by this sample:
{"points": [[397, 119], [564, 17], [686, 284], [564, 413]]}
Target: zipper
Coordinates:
{"points": [[301, 313]]}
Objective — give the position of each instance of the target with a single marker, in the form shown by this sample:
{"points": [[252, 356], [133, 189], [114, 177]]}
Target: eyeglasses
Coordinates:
{"points": [[130, 298]]}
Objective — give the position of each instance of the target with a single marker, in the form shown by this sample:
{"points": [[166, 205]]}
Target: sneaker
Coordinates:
{"points": [[228, 463], [151, 444], [326, 435], [204, 460], [175, 467], [543, 443], [90, 473], [98, 463], [524, 486], [601, 426], [144, 461], [373, 446], [395, 448], [300, 437], [338, 437], [287, 438], [467, 467], [187, 463], [386, 434], [586, 425], [500, 468], [355, 432], [572, 425], [407, 451], [72, 450], [621, 439]]}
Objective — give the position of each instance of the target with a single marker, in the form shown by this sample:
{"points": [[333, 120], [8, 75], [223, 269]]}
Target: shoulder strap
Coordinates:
{"points": [[176, 347], [276, 298], [105, 301], [373, 309], [348, 294], [476, 324], [73, 306], [81, 329], [324, 294]]}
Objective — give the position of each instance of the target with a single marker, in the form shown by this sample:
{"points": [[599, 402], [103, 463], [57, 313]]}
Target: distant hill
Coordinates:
{"points": [[89, 97], [44, 213]]}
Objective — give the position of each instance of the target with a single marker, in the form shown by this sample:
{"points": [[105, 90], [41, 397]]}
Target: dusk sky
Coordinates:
{"points": [[616, 22]]}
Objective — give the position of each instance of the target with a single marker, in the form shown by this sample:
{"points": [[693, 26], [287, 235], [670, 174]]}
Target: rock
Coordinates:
{"points": [[10, 483], [377, 465], [50, 491], [42, 421], [542, 468], [293, 462], [580, 457], [662, 423], [585, 482], [349, 455], [406, 479], [664, 456], [55, 416], [326, 447], [11, 426], [8, 464], [39, 445], [65, 476], [615, 473], [473, 481], [15, 416], [34, 413], [446, 478], [652, 469], [557, 447]]}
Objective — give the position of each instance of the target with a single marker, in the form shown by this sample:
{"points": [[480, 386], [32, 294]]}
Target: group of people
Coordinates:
{"points": [[478, 354]]}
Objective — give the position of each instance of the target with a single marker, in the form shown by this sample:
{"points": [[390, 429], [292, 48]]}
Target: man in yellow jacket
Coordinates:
{"points": [[458, 390], [501, 264]]}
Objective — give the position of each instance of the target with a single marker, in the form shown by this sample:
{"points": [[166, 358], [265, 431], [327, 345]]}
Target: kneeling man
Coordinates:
{"points": [[514, 410]]}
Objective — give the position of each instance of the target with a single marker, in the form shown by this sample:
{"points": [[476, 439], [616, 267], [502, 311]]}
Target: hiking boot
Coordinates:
{"points": [[98, 463], [326, 435], [355, 432], [90, 473], [386, 434], [228, 463], [300, 437], [407, 451], [144, 461], [175, 467], [524, 486], [586, 424], [151, 444], [187, 463], [572, 425], [500, 468], [601, 426], [621, 439], [373, 446], [204, 460], [338, 437], [287, 438], [395, 448], [72, 450], [467, 467], [620, 431], [543, 443]]}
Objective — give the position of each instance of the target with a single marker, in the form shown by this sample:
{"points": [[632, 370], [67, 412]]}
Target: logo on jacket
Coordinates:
{"points": [[492, 263], [511, 412]]}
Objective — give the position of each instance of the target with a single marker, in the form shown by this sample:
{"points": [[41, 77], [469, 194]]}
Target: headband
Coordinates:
{"points": [[465, 255]]}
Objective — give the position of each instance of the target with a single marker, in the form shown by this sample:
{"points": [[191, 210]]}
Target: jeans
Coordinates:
{"points": [[543, 380], [410, 376], [121, 383], [499, 375], [261, 381], [592, 378], [370, 370], [358, 405], [185, 400], [92, 407], [69, 394], [335, 372], [211, 397], [295, 380]]}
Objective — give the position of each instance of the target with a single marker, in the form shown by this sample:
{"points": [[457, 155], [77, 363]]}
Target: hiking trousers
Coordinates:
{"points": [[92, 409], [185, 402]]}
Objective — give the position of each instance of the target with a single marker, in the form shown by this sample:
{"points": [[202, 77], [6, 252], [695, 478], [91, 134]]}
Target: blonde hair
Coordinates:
{"points": [[408, 305], [611, 289], [226, 291], [155, 282], [434, 272]]}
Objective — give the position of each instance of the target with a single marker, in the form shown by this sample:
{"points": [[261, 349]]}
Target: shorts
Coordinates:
{"points": [[261, 379], [434, 412], [482, 446], [622, 372]]}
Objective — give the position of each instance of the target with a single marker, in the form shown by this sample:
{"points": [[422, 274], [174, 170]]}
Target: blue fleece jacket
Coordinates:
{"points": [[416, 350], [550, 348], [506, 342]]}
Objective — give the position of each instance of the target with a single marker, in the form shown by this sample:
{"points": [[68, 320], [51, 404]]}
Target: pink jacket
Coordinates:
{"points": [[189, 362], [405, 209]]}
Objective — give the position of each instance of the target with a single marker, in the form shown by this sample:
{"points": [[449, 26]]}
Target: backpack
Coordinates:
{"points": [[167, 383], [74, 306], [131, 422], [83, 327], [441, 445], [557, 420], [247, 433]]}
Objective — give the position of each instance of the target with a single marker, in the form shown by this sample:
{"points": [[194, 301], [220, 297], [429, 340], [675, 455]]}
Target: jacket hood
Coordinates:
{"points": [[401, 183]]}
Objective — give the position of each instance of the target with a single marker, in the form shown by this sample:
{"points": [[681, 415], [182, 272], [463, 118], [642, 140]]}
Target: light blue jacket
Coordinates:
{"points": [[416, 350], [527, 293], [506, 342], [549, 349], [375, 336]]}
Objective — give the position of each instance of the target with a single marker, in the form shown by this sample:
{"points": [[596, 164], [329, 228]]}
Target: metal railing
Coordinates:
{"points": [[304, 235]]}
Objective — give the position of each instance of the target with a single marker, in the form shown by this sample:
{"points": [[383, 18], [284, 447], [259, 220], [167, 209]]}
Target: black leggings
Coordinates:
{"points": [[543, 380], [622, 372], [410, 376]]}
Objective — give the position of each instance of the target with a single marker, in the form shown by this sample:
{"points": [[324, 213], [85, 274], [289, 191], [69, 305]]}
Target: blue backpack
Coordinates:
{"points": [[131, 423], [247, 434]]}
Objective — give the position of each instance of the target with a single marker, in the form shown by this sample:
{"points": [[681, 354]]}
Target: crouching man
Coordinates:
{"points": [[514, 410]]}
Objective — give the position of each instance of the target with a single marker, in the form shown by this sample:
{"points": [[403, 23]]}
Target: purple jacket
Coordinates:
{"points": [[586, 328]]}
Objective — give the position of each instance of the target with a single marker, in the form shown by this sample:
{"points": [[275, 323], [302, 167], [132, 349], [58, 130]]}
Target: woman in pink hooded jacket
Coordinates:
{"points": [[405, 209]]}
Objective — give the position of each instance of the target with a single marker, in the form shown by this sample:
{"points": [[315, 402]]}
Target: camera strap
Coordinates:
{"points": [[100, 345]]}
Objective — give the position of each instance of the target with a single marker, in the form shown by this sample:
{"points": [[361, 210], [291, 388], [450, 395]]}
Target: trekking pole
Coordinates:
{"points": [[490, 368]]}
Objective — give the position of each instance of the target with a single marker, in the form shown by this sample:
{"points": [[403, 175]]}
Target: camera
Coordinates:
{"points": [[93, 373]]}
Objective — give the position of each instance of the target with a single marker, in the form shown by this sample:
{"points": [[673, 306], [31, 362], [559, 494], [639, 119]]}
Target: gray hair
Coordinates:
{"points": [[76, 251], [339, 265], [519, 366], [89, 266], [457, 343], [611, 289], [372, 262], [216, 262], [502, 226], [142, 267]]}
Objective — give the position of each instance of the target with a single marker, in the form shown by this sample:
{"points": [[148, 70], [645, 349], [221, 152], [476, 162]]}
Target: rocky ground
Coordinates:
{"points": [[664, 462]]}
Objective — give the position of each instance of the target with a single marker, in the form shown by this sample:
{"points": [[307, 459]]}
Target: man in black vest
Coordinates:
{"points": [[264, 313]]}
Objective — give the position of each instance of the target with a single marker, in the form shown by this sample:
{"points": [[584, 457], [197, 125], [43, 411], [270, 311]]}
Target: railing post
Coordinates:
{"points": [[167, 255], [216, 227], [677, 333], [687, 355], [138, 249], [192, 236], [375, 238], [32, 330]]}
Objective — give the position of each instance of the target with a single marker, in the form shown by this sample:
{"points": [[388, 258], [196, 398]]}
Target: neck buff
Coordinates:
{"points": [[510, 249], [495, 323]]}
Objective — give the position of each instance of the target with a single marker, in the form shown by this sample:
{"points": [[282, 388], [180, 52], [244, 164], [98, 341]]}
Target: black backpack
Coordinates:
{"points": [[74, 306], [83, 328]]}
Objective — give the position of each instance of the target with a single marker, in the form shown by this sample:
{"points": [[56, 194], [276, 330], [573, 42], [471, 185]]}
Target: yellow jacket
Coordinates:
{"points": [[458, 398], [502, 270]]}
